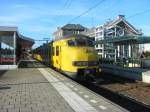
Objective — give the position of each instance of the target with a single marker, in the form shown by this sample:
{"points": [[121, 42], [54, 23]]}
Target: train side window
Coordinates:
{"points": [[53, 51], [57, 50], [71, 43]]}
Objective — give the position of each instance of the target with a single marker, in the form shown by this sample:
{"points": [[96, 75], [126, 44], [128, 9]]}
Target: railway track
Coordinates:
{"points": [[124, 101]]}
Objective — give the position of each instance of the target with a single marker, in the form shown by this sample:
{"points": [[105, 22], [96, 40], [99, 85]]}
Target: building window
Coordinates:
{"points": [[97, 29], [97, 34], [99, 50], [101, 33], [100, 56], [96, 46]]}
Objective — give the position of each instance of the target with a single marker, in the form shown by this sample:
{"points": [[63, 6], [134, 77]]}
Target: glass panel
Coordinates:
{"points": [[81, 42], [7, 50]]}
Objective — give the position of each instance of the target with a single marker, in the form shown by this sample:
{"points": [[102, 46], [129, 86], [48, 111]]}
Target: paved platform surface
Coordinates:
{"points": [[45, 90]]}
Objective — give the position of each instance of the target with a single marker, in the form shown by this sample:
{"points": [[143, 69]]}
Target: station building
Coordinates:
{"points": [[90, 33], [117, 28], [13, 47], [68, 29]]}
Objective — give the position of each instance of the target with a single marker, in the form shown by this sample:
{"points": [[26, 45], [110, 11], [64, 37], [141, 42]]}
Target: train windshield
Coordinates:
{"points": [[80, 42]]}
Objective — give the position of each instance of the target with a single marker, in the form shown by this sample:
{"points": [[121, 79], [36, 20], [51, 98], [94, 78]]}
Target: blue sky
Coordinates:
{"points": [[38, 19]]}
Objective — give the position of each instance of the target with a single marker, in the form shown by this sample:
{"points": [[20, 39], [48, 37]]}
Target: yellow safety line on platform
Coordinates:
{"points": [[73, 99]]}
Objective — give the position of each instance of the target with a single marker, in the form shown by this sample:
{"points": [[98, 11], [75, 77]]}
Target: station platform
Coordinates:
{"points": [[38, 88], [134, 73]]}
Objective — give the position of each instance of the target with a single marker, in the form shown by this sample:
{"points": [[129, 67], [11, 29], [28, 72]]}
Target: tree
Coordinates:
{"points": [[147, 54]]}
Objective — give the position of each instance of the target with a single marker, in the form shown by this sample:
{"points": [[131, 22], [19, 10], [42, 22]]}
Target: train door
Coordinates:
{"points": [[53, 56], [58, 57]]}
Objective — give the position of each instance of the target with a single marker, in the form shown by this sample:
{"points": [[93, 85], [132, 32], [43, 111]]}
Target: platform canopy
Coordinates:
{"points": [[13, 45], [125, 40], [25, 41], [6, 32]]}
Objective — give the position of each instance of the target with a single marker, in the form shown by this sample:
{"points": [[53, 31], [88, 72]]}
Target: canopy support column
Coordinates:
{"points": [[118, 51], [14, 42], [129, 50]]}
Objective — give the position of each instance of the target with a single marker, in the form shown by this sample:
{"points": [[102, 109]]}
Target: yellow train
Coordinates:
{"points": [[73, 55]]}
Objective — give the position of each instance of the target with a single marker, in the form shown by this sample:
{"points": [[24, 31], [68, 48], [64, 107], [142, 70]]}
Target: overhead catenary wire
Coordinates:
{"points": [[66, 5], [69, 4], [66, 2], [63, 7], [105, 9], [139, 13], [88, 10]]}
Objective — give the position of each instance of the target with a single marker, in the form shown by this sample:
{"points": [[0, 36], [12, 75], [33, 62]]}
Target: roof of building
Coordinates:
{"points": [[125, 40], [26, 38], [74, 35], [89, 32], [8, 28], [119, 19], [74, 27], [8, 31]]}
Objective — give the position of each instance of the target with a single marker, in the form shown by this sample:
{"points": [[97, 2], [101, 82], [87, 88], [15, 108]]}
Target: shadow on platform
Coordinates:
{"points": [[2, 86], [106, 78], [2, 72], [31, 64]]}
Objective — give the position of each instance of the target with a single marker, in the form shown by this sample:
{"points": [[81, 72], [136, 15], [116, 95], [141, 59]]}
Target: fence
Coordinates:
{"points": [[127, 62]]}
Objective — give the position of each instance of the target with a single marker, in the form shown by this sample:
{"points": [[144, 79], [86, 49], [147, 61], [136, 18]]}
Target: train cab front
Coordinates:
{"points": [[86, 69], [85, 59]]}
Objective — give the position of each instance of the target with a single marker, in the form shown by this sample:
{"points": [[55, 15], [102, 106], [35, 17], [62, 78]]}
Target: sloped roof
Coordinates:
{"points": [[73, 26], [74, 35], [122, 19], [89, 32], [26, 38], [8, 31]]}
